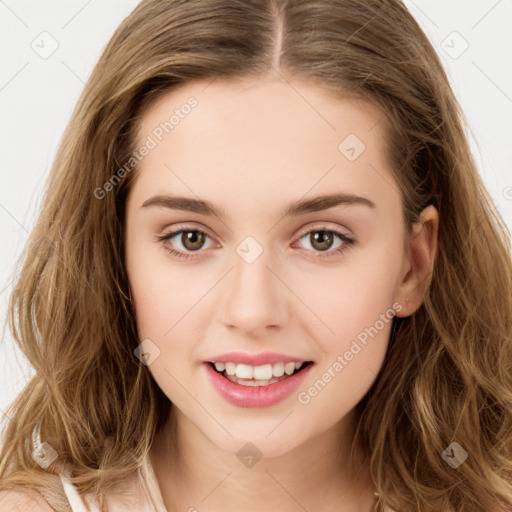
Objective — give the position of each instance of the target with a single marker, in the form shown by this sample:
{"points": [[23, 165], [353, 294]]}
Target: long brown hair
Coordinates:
{"points": [[447, 375]]}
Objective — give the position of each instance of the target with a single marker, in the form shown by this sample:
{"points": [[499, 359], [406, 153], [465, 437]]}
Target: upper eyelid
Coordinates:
{"points": [[183, 228], [322, 227]]}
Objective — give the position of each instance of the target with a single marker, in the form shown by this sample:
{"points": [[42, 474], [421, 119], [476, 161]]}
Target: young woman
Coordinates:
{"points": [[266, 276]]}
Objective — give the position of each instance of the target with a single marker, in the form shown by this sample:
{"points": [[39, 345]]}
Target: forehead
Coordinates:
{"points": [[260, 138], [291, 110]]}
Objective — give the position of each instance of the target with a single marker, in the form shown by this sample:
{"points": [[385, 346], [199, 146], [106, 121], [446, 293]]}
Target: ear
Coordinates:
{"points": [[419, 257]]}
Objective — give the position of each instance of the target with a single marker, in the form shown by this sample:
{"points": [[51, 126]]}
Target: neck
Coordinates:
{"points": [[196, 475]]}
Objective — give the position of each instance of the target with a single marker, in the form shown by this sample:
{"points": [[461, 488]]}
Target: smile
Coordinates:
{"points": [[263, 375], [244, 385]]}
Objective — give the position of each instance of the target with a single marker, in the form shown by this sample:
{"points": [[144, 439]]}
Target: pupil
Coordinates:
{"points": [[322, 240]]}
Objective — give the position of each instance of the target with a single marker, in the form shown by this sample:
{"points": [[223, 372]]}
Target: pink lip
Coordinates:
{"points": [[259, 396], [256, 359]]}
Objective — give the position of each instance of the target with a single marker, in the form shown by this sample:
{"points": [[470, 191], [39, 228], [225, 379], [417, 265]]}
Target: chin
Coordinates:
{"points": [[258, 444]]}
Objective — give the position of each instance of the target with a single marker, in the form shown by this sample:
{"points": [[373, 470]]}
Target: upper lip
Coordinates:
{"points": [[256, 359]]}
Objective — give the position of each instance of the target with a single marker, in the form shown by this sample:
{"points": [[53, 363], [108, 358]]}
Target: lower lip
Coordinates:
{"points": [[255, 396]]}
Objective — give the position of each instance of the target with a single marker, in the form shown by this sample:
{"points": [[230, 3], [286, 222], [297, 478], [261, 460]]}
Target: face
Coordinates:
{"points": [[275, 275]]}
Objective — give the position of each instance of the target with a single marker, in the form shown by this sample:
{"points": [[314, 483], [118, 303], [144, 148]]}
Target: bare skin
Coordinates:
{"points": [[251, 149]]}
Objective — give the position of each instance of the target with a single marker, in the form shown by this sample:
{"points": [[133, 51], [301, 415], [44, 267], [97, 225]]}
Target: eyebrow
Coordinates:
{"points": [[302, 207]]}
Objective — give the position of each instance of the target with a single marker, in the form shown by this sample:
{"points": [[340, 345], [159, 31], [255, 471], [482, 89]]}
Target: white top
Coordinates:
{"points": [[145, 498], [146, 495], [75, 500]]}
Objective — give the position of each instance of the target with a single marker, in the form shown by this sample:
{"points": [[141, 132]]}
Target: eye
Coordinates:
{"points": [[322, 239], [191, 240]]}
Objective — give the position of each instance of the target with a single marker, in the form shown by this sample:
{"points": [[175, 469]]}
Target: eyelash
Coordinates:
{"points": [[347, 241]]}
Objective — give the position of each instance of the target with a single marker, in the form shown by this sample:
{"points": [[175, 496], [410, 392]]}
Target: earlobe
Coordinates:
{"points": [[420, 259]]}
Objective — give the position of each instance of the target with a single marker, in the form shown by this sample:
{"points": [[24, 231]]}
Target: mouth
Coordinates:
{"points": [[255, 376]]}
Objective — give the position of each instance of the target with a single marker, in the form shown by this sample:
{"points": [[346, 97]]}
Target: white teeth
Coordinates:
{"points": [[230, 368], [261, 373], [278, 370], [244, 371], [289, 368]]}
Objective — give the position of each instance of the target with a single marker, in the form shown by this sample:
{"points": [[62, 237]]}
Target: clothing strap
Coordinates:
{"points": [[75, 500]]}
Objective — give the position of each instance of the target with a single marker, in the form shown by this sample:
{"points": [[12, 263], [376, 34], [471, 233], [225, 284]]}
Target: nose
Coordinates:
{"points": [[253, 299]]}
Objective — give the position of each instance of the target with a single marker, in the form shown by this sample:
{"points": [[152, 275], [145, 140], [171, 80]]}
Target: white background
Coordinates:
{"points": [[37, 96]]}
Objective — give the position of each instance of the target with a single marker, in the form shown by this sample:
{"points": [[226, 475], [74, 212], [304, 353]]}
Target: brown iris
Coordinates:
{"points": [[321, 240], [192, 240]]}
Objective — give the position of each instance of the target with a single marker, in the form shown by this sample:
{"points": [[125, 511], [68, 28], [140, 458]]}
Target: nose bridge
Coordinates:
{"points": [[253, 296]]}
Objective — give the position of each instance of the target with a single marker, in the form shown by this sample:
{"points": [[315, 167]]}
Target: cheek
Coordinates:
{"points": [[164, 304], [351, 328], [352, 356], [353, 319], [162, 291], [345, 299], [169, 300], [161, 303]]}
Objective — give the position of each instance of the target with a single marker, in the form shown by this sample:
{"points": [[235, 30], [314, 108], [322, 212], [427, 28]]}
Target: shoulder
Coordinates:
{"points": [[23, 501]]}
